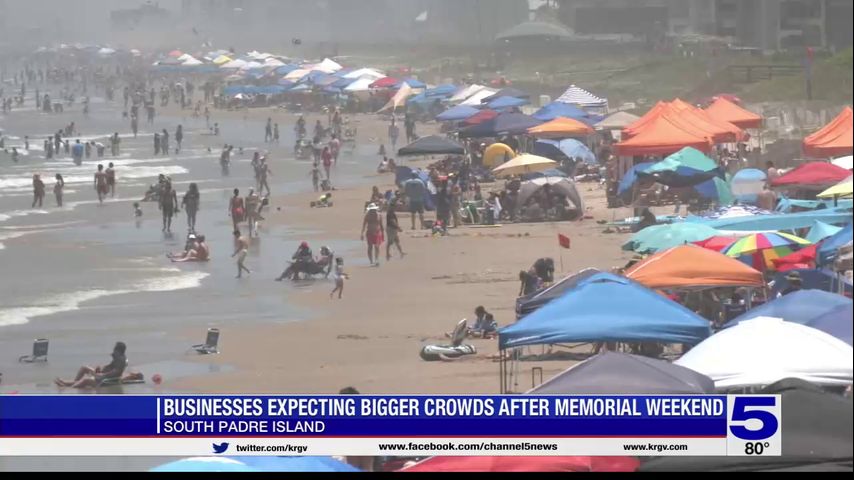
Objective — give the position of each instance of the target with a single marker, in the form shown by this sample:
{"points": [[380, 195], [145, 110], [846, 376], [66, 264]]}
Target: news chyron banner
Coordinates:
{"points": [[714, 425]]}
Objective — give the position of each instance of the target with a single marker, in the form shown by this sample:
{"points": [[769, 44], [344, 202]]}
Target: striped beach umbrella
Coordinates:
{"points": [[759, 250]]}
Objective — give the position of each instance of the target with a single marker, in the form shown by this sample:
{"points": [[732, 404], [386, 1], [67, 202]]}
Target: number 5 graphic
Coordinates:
{"points": [[742, 412]]}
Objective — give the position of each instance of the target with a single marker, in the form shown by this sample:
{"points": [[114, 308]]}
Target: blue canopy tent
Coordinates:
{"points": [[797, 307], [556, 110], [820, 231], [503, 124], [631, 177], [502, 103], [836, 322], [789, 221], [415, 83], [568, 148], [607, 308], [828, 249], [785, 204], [286, 69], [445, 90], [530, 303], [457, 114]]}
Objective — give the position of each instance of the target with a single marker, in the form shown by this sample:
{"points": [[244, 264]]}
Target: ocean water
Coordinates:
{"points": [[87, 275]]}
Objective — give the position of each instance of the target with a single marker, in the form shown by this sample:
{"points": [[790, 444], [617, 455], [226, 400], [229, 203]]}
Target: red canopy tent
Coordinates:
{"points": [[723, 109], [717, 243], [834, 140], [385, 82], [802, 259], [481, 117], [665, 135], [525, 464], [812, 175]]}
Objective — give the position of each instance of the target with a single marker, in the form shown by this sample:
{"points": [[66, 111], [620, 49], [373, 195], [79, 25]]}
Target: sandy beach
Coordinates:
{"points": [[371, 338]]}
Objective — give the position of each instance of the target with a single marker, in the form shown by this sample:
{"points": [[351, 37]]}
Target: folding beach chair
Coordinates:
{"points": [[211, 343], [40, 347]]}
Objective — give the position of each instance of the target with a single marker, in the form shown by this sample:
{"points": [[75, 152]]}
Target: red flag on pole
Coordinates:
{"points": [[564, 241]]}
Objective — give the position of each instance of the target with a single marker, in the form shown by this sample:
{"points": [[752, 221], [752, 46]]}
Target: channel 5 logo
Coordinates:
{"points": [[754, 417]]}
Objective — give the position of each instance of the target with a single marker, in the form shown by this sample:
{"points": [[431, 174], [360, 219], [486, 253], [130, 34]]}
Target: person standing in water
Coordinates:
{"points": [[157, 144], [164, 140], [191, 203], [38, 190], [268, 131], [101, 185], [57, 189], [373, 232], [111, 179], [276, 133], [179, 138], [241, 249], [168, 202]]}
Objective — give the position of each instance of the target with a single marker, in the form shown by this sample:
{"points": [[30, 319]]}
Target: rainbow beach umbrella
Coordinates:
{"points": [[759, 250]]}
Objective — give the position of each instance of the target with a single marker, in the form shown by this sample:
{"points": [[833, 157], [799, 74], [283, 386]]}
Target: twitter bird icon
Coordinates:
{"points": [[221, 448]]}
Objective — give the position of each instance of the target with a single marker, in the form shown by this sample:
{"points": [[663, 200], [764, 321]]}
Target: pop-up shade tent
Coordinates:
{"points": [[557, 110], [503, 124], [828, 249], [568, 148], [532, 302], [747, 183], [581, 97], [664, 135], [765, 350], [693, 267], [458, 113], [723, 109], [834, 139], [661, 237], [812, 175], [798, 307], [559, 185], [561, 127], [617, 121], [818, 437], [607, 308], [432, 145], [613, 373]]}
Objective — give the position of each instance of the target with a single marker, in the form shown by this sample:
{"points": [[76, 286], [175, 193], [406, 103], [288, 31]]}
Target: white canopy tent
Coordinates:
{"points": [[273, 62], [844, 162], [761, 351], [370, 73], [297, 74], [326, 66], [477, 99], [234, 64], [617, 121], [361, 85], [465, 93], [251, 65]]}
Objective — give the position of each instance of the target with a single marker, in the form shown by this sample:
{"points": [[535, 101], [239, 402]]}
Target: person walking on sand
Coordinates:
{"points": [[190, 202], [57, 189], [315, 177], [241, 249], [340, 276], [373, 232], [38, 191], [263, 172], [101, 184], [326, 158], [335, 148], [268, 131], [168, 203], [236, 209], [111, 179], [416, 192], [393, 228], [276, 133], [393, 134]]}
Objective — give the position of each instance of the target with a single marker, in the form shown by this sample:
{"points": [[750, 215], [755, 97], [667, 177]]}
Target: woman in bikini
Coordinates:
{"points": [[237, 209]]}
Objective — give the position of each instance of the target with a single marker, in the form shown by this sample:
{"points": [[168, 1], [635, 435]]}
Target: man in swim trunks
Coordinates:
{"points": [[101, 185], [374, 233], [168, 205], [241, 249], [111, 179]]}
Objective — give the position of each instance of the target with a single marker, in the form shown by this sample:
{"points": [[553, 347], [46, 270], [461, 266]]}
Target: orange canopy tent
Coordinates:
{"points": [[561, 127], [664, 135], [691, 267], [645, 120], [720, 131], [834, 140], [723, 109]]}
